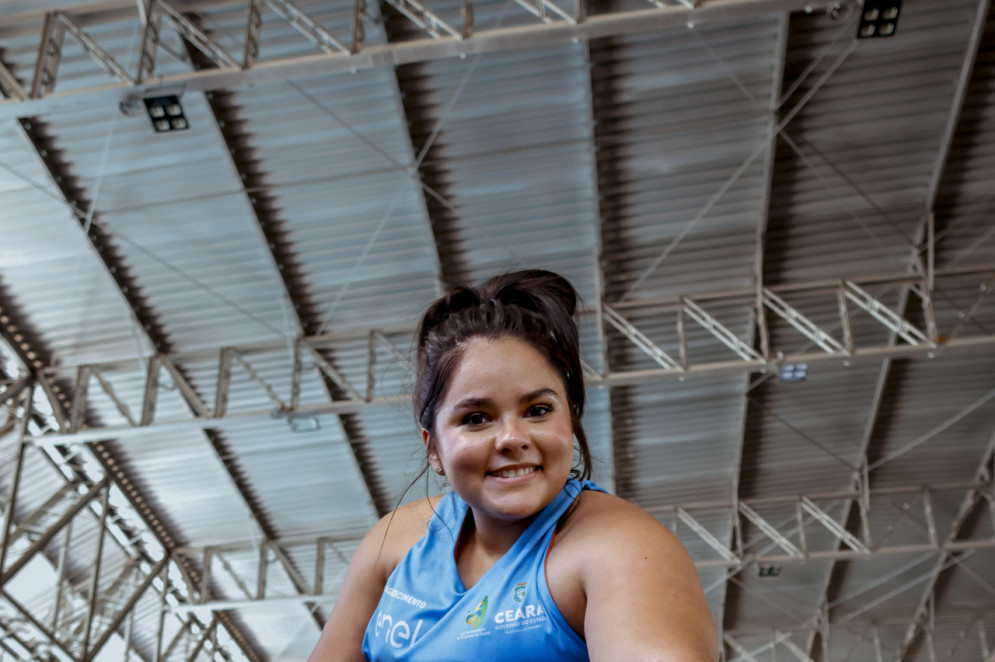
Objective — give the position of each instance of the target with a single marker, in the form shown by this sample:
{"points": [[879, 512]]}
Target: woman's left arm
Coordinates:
{"points": [[644, 598]]}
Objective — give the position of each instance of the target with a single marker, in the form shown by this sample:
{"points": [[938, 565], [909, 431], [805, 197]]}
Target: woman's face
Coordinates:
{"points": [[503, 433]]}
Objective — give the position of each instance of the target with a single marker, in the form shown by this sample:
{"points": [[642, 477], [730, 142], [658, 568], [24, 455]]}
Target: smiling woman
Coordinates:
{"points": [[524, 559]]}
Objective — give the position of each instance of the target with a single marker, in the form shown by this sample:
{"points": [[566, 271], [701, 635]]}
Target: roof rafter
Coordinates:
{"points": [[238, 143], [759, 322], [39, 136], [598, 262], [971, 500], [224, 110], [443, 216], [925, 243], [601, 57]]}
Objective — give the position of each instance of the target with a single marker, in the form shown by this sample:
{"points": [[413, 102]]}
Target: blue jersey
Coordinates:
{"points": [[425, 613]]}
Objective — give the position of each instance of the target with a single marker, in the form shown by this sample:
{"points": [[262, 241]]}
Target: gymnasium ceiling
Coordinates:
{"points": [[783, 236]]}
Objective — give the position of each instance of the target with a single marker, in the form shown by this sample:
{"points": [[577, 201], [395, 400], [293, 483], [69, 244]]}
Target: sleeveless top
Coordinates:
{"points": [[426, 615]]}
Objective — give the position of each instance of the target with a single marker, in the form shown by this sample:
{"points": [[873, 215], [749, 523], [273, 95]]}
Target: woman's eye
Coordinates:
{"points": [[539, 410], [475, 418]]}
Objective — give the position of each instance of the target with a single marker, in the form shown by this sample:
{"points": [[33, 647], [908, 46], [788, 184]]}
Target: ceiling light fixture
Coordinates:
{"points": [[878, 18], [166, 113], [793, 372]]}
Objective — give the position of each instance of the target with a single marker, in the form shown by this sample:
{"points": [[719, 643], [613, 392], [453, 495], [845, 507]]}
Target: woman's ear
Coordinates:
{"points": [[433, 457]]}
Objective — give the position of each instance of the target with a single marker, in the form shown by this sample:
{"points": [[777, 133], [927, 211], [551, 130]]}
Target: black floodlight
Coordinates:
{"points": [[793, 372], [166, 113], [878, 18]]}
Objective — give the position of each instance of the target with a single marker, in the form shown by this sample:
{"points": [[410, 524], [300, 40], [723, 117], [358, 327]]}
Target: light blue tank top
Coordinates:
{"points": [[426, 615]]}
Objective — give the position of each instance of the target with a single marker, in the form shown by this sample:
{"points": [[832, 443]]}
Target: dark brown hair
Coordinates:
{"points": [[533, 305]]}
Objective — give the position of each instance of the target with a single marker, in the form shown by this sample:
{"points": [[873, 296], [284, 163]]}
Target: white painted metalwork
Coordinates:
{"points": [[232, 76]]}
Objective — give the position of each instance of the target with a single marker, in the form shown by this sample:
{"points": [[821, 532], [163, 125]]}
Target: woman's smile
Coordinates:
{"points": [[512, 472]]}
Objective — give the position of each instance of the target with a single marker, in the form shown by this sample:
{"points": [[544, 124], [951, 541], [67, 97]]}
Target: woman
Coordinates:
{"points": [[523, 559]]}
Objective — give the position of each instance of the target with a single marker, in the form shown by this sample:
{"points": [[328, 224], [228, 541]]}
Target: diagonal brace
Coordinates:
{"points": [[10, 86], [769, 530], [88, 656], [51, 532], [196, 37], [639, 339], [706, 535], [719, 330], [892, 320], [424, 18], [331, 372], [834, 527], [307, 26], [102, 57], [793, 317]]}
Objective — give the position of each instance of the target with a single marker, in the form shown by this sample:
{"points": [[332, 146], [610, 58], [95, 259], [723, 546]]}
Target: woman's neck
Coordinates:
{"points": [[482, 542]]}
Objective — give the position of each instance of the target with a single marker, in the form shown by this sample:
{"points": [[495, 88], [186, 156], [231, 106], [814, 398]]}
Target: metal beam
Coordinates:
{"points": [[239, 145], [761, 339], [93, 49], [125, 610], [149, 432], [10, 87], [10, 506], [957, 105], [598, 162], [949, 132], [307, 26], [442, 217], [205, 634], [121, 534], [35, 354], [232, 76], [750, 361], [983, 473], [751, 510], [38, 625], [45, 538], [91, 607]]}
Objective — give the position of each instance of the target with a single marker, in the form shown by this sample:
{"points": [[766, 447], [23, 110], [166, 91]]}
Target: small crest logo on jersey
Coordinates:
{"points": [[476, 617], [521, 590]]}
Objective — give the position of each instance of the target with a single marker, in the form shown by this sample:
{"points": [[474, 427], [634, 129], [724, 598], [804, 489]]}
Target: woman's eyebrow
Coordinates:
{"points": [[475, 403], [543, 392], [471, 403]]}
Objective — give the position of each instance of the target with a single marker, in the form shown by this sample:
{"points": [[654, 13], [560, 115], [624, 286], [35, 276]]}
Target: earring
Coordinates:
{"points": [[440, 471]]}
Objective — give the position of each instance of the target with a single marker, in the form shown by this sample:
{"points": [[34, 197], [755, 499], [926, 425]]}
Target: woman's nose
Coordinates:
{"points": [[512, 435]]}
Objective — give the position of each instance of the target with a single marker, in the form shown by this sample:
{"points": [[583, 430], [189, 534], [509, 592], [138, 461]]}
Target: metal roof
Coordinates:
{"points": [[782, 236]]}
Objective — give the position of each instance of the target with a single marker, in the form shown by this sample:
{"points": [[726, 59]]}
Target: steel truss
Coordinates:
{"points": [[235, 365], [971, 625], [83, 619], [787, 530], [335, 53], [84, 513]]}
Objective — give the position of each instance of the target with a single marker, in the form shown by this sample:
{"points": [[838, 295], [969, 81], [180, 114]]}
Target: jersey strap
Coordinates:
{"points": [[426, 614]]}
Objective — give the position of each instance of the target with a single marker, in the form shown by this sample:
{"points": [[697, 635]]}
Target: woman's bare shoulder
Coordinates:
{"points": [[602, 524], [595, 512], [637, 579], [401, 528]]}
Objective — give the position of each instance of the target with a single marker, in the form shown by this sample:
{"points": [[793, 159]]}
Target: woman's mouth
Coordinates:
{"points": [[514, 472]]}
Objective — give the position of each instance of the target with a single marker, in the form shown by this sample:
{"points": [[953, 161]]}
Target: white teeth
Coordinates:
{"points": [[511, 473]]}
